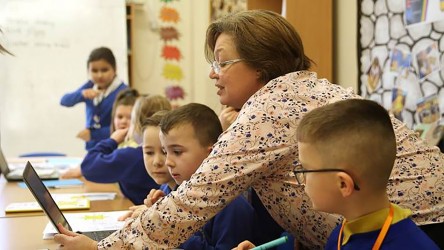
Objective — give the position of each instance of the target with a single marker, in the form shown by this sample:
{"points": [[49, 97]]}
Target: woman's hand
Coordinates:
{"points": [[70, 240], [133, 213]]}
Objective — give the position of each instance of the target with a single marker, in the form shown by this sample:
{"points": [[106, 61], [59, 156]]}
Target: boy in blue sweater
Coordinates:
{"points": [[98, 94], [187, 136], [347, 151]]}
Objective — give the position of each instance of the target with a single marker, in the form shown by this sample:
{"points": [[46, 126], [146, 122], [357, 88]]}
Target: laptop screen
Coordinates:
{"points": [[3, 164], [43, 197]]}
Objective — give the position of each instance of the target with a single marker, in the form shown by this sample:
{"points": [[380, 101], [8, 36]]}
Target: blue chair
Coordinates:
{"points": [[42, 154]]}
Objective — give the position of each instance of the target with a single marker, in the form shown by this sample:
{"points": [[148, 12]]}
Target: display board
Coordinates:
{"points": [[51, 41], [400, 60]]}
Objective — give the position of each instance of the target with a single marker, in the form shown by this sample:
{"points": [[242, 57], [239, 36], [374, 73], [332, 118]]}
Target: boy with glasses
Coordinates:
{"points": [[347, 150]]}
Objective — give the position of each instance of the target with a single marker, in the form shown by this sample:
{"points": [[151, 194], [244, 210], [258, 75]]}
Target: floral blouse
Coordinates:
{"points": [[260, 150]]}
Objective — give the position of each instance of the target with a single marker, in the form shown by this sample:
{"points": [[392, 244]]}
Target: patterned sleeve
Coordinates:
{"points": [[243, 155]]}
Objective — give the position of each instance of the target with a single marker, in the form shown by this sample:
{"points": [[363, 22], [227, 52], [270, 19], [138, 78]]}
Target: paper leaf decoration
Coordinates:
{"points": [[169, 15], [172, 72], [169, 33], [171, 53], [174, 92]]}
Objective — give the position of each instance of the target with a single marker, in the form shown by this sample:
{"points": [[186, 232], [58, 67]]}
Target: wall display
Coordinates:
{"points": [[51, 41], [400, 45], [220, 8]]}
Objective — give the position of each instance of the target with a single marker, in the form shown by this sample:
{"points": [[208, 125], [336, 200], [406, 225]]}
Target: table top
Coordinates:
{"points": [[11, 192]]}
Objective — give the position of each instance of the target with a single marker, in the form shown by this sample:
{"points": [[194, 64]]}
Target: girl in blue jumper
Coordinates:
{"points": [[98, 94], [106, 163]]}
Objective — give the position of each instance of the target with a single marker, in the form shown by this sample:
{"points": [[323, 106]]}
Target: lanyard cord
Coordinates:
{"points": [[382, 234]]}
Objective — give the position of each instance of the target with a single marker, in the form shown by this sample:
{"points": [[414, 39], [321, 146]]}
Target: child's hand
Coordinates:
{"points": [[119, 135], [244, 245], [72, 173], [153, 196], [90, 93], [227, 116], [133, 213], [84, 134]]}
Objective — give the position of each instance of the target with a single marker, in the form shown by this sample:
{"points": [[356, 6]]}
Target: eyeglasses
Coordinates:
{"points": [[300, 174], [217, 67]]}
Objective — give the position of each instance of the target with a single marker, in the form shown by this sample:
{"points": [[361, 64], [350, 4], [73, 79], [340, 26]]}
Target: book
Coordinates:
{"points": [[63, 204]]}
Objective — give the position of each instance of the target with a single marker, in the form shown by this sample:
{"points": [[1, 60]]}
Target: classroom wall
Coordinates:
{"points": [[193, 24], [194, 19], [345, 45]]}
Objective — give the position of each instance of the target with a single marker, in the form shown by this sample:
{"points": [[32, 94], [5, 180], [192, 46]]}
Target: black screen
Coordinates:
{"points": [[44, 198]]}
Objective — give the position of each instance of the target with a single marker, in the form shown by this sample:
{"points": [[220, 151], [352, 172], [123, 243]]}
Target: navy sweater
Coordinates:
{"points": [[100, 128], [105, 163], [402, 235], [231, 226]]}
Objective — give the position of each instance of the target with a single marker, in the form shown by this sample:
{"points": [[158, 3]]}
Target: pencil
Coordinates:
{"points": [[272, 243]]}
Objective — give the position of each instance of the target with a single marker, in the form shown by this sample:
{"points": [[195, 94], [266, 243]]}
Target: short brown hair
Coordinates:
{"points": [[264, 39], [203, 119], [154, 120], [145, 107], [355, 132]]}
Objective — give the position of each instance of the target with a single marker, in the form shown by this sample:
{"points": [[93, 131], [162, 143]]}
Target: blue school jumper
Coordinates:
{"points": [[226, 229], [106, 164], [402, 235], [98, 118]]}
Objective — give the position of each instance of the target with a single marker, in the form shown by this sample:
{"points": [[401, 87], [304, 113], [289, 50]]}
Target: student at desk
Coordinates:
{"points": [[98, 94], [105, 163]]}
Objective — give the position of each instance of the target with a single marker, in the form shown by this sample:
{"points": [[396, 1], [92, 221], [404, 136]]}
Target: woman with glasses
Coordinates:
{"points": [[259, 66]]}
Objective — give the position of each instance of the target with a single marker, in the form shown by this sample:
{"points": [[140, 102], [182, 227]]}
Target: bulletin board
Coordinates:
{"points": [[400, 44], [51, 41]]}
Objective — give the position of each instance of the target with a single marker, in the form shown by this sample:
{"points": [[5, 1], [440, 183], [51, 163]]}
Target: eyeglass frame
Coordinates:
{"points": [[217, 66], [303, 171]]}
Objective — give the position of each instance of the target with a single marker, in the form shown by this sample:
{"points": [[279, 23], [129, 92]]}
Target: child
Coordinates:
{"points": [[154, 160], [98, 94], [187, 136], [121, 119], [347, 150], [105, 163]]}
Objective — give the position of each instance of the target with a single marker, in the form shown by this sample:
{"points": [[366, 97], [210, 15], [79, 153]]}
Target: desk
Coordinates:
{"points": [[24, 233], [25, 230], [11, 192]]}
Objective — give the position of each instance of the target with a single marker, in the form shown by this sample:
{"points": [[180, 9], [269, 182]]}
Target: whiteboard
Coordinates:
{"points": [[51, 41]]}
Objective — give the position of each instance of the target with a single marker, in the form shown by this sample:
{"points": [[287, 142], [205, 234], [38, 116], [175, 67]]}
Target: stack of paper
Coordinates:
{"points": [[88, 222]]}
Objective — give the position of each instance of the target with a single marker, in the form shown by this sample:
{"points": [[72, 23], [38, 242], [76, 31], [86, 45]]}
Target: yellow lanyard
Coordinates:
{"points": [[382, 234]]}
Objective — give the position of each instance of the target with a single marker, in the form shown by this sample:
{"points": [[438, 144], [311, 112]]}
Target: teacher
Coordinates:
{"points": [[259, 66]]}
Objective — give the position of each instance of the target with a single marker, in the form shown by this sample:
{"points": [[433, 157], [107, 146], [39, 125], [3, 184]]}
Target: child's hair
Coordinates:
{"points": [[145, 107], [355, 132], [102, 53], [204, 120], [126, 97], [154, 120]]}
